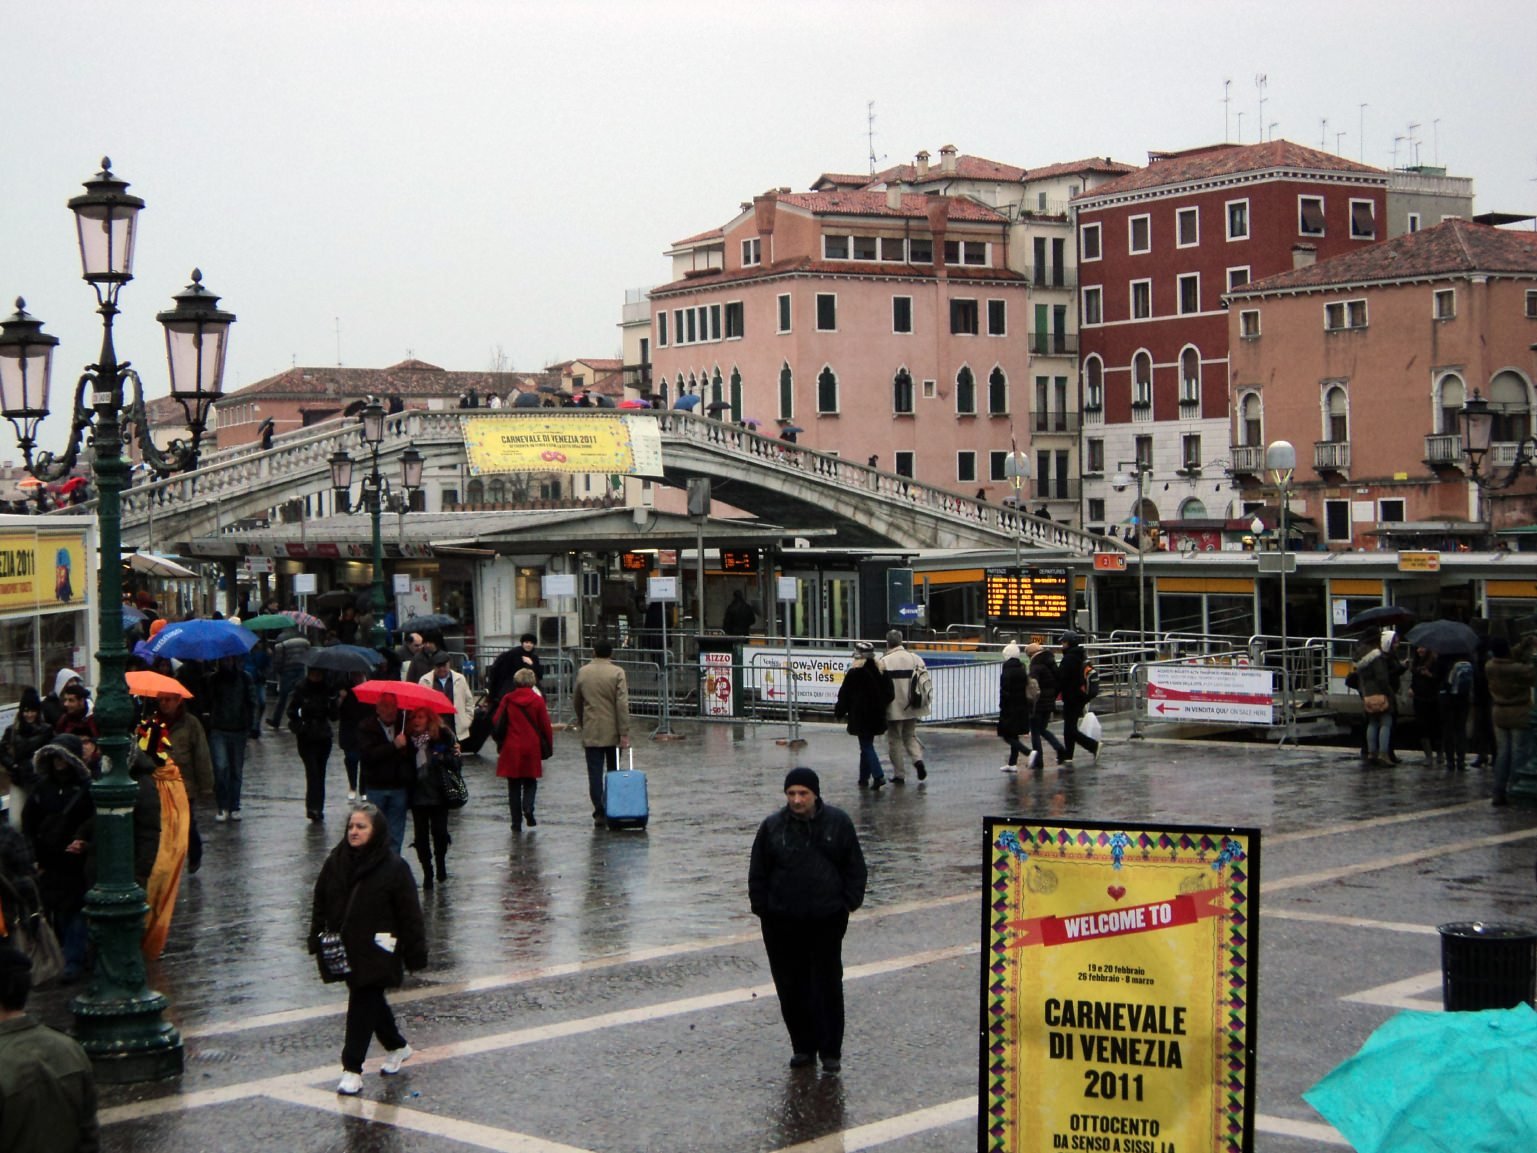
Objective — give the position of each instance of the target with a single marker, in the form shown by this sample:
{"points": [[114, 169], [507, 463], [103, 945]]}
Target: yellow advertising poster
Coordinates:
{"points": [[43, 570], [605, 442], [1118, 999]]}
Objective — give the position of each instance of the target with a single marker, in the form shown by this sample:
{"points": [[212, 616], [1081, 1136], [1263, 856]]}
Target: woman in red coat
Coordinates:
{"points": [[527, 739]]}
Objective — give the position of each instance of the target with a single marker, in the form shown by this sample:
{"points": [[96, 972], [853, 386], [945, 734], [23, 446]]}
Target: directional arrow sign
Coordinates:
{"points": [[1212, 693]]}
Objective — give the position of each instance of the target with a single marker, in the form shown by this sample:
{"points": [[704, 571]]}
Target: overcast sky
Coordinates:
{"points": [[449, 178]]}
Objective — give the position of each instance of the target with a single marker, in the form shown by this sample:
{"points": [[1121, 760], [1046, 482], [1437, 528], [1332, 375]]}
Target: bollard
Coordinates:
{"points": [[1487, 966]]}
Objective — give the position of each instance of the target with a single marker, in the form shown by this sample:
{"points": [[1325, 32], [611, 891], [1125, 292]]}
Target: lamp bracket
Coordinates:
{"points": [[178, 456], [48, 467]]}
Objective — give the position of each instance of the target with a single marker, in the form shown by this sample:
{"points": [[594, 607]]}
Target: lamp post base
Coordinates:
{"points": [[127, 1040]]}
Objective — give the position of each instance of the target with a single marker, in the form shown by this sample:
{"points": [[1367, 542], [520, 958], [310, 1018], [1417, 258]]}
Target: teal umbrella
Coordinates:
{"points": [[1438, 1083]]}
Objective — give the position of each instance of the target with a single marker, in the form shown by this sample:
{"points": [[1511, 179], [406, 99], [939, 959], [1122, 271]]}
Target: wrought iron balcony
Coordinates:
{"points": [[1049, 423], [1054, 343], [637, 376]]}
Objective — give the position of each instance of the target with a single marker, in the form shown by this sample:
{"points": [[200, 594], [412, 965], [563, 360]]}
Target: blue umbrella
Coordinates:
{"points": [[686, 401], [132, 616], [200, 640]]}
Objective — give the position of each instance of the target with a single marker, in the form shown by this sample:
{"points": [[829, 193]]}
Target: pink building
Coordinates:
{"points": [[1364, 363]]}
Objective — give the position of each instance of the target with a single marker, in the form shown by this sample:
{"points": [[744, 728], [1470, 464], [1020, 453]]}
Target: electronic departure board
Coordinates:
{"points": [[1032, 596], [738, 560], [634, 562]]}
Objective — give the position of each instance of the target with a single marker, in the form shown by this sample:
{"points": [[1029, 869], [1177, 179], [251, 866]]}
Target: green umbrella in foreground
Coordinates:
{"points": [[1438, 1083]]}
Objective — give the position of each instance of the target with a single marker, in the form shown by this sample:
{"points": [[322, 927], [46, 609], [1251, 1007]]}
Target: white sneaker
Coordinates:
{"points": [[394, 1059], [1008, 768], [351, 796], [235, 815], [1034, 762], [350, 1085], [221, 816]]}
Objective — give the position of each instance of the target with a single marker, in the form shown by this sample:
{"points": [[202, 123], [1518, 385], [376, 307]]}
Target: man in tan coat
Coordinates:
{"points": [[601, 700], [902, 666]]}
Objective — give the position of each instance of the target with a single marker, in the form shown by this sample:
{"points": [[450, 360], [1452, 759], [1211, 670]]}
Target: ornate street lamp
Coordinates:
{"points": [[118, 1019], [1016, 470], [375, 493], [1281, 462], [1121, 481]]}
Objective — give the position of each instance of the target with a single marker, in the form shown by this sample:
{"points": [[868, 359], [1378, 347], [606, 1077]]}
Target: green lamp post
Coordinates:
{"points": [[118, 1019]]}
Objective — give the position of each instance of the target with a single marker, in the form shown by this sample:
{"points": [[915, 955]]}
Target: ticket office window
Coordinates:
{"points": [[34, 648]]}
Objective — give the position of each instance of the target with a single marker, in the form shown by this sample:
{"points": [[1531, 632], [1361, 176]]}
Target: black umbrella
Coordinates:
{"points": [[428, 622], [527, 400], [334, 599], [717, 406], [338, 659], [1383, 616], [1444, 637]]}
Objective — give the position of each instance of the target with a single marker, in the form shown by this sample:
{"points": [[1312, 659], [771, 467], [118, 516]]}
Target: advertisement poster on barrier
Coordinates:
{"points": [[1219, 693], [818, 675], [1118, 990], [715, 675]]}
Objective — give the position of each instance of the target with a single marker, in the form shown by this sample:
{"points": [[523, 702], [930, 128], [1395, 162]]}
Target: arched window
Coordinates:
{"points": [[827, 390], [1192, 508], [1189, 381], [1142, 381], [1251, 429], [1336, 414], [902, 391], [786, 392], [1451, 393], [496, 490], [1093, 384], [475, 491], [736, 393], [693, 384], [1511, 404], [965, 392], [715, 386], [997, 392]]}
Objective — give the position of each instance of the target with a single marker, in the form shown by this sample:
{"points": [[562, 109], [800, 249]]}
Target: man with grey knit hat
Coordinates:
{"points": [[806, 876]]}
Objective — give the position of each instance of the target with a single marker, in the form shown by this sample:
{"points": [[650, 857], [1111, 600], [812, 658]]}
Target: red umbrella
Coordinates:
{"points": [[408, 694], [72, 484]]}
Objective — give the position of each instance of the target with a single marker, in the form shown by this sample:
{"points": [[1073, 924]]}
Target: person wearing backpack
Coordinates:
{"points": [[1456, 701], [1080, 685], [1043, 671], [912, 692]]}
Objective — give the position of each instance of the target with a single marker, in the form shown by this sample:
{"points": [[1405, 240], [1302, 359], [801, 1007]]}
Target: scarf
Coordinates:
{"points": [[165, 877]]}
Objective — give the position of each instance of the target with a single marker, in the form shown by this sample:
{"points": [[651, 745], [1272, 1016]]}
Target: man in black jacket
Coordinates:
{"points": [[807, 875]]}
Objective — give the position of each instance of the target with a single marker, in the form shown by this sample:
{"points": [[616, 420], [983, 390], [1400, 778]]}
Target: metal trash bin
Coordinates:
{"points": [[1487, 966]]}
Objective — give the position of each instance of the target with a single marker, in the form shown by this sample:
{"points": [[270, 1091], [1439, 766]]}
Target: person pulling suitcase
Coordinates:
{"points": [[601, 700]]}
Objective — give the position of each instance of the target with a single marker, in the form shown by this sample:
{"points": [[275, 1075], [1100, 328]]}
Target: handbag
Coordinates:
{"points": [[1376, 703], [35, 937], [456, 794], [333, 957], [546, 745]]}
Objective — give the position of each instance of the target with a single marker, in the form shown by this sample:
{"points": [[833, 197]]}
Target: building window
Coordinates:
{"points": [[1450, 395], [1093, 384], [752, 251], [1097, 508], [1310, 215], [1139, 234], [902, 463], [920, 251], [1144, 453], [1238, 220], [1336, 415], [1237, 277], [902, 393], [1142, 381], [1095, 461], [1391, 510], [966, 467], [1250, 430], [1336, 520], [784, 312], [1531, 304], [997, 318], [1190, 452], [827, 312], [965, 252], [997, 465], [661, 330], [827, 391], [1363, 220], [893, 248], [1189, 378], [734, 330], [865, 248], [786, 392], [965, 392], [901, 314], [1088, 242], [835, 248], [692, 330], [714, 322], [1413, 222], [997, 393], [1248, 324], [1141, 299], [963, 317], [1445, 303], [1343, 314], [1190, 293], [1092, 303], [930, 389], [1510, 401], [1188, 227]]}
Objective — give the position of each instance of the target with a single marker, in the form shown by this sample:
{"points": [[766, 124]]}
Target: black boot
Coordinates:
{"points": [[442, 867]]}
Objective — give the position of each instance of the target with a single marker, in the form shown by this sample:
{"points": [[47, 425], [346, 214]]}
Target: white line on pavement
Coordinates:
{"points": [[1346, 922], [1345, 827], [1323, 876], [891, 1129], [1399, 994]]}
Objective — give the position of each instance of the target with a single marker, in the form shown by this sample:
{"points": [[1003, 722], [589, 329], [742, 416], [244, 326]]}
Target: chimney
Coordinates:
{"points": [[922, 160], [894, 197], [764, 209], [938, 208], [1304, 255], [947, 160]]}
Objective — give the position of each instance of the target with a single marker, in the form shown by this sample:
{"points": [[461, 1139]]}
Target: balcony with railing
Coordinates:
{"points": [[1247, 458], [1054, 343], [1050, 276], [1329, 456], [637, 377], [1053, 488], [1444, 450], [1048, 423]]}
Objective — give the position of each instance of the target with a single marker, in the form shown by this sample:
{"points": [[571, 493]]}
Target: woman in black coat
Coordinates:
{"points": [[862, 699], [1072, 677], [1014, 709], [366, 893], [1043, 667], [311, 710]]}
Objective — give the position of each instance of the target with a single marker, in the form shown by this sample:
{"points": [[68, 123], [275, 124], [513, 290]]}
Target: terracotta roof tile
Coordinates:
{"points": [[709, 234], [408, 379], [966, 168], [1101, 164], [1450, 248], [1228, 160], [843, 202]]}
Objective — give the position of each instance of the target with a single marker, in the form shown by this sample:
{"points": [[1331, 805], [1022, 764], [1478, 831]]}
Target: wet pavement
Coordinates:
{"points": [[607, 992]]}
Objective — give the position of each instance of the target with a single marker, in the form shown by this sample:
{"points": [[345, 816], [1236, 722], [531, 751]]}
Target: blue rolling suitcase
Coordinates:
{"points": [[625, 805]]}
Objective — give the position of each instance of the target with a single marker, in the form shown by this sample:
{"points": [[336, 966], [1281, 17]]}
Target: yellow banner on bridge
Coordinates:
{"points": [[609, 442]]}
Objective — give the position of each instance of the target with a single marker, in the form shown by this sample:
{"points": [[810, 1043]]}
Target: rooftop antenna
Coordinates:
{"points": [[1435, 142], [1260, 81], [1240, 127], [870, 135], [1414, 147], [1337, 137], [1323, 133], [1396, 141], [1227, 100], [1274, 124], [338, 342], [1362, 136]]}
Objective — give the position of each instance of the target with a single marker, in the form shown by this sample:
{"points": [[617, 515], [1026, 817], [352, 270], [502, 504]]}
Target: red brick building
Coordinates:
{"points": [[1364, 362], [1157, 249]]}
